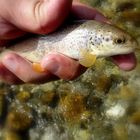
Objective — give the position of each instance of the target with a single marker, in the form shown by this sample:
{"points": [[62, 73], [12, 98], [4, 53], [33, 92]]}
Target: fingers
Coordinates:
{"points": [[82, 11], [54, 12], [16, 66], [62, 66], [7, 76], [8, 32], [38, 16], [14, 69]]}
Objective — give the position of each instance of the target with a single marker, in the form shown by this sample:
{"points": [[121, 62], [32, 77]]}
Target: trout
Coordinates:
{"points": [[84, 41]]}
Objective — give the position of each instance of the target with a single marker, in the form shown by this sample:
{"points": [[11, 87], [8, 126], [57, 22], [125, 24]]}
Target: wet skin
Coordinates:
{"points": [[43, 17]]}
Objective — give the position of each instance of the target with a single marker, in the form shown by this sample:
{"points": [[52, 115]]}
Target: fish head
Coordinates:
{"points": [[111, 41]]}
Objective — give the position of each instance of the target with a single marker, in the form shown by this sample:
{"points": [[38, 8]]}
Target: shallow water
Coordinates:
{"points": [[102, 104]]}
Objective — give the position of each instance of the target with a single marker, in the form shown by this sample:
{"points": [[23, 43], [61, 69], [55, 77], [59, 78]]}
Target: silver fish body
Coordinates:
{"points": [[74, 40]]}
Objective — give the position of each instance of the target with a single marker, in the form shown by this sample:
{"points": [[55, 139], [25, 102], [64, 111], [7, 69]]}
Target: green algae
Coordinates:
{"points": [[102, 104]]}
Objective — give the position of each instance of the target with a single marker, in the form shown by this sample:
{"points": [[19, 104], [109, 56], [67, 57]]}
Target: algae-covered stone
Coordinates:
{"points": [[47, 97], [126, 93], [135, 118], [19, 120], [72, 107], [103, 83], [120, 132], [2, 105], [11, 135], [23, 96], [82, 135]]}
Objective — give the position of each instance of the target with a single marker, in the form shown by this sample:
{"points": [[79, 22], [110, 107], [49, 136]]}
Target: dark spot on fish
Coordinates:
{"points": [[92, 43], [107, 39], [90, 38]]}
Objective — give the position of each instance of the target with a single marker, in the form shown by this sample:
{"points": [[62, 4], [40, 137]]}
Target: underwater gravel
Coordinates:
{"points": [[102, 104]]}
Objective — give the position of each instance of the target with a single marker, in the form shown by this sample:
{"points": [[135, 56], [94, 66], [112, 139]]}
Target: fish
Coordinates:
{"points": [[84, 41]]}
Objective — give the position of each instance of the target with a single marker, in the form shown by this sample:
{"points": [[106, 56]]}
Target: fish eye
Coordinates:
{"points": [[119, 40]]}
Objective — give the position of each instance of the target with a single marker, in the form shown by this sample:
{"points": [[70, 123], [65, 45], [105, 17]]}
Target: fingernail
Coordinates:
{"points": [[10, 62], [50, 65]]}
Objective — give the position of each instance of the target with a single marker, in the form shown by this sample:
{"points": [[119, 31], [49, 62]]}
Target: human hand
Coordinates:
{"points": [[42, 17]]}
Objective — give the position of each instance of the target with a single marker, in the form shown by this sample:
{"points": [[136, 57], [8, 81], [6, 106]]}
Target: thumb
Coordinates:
{"points": [[37, 16]]}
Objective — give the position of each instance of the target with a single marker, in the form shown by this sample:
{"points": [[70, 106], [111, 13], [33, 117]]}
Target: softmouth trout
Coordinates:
{"points": [[84, 41]]}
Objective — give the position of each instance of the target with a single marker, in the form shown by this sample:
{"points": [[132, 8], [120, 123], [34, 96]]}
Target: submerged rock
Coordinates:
{"points": [[19, 120], [102, 104]]}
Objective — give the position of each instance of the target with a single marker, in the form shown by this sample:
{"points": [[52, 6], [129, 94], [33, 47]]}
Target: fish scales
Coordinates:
{"points": [[78, 41]]}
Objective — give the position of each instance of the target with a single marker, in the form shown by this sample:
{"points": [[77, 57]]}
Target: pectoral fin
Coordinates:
{"points": [[87, 59]]}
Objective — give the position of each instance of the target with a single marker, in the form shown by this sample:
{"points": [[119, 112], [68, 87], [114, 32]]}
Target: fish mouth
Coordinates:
{"points": [[125, 62], [114, 52]]}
